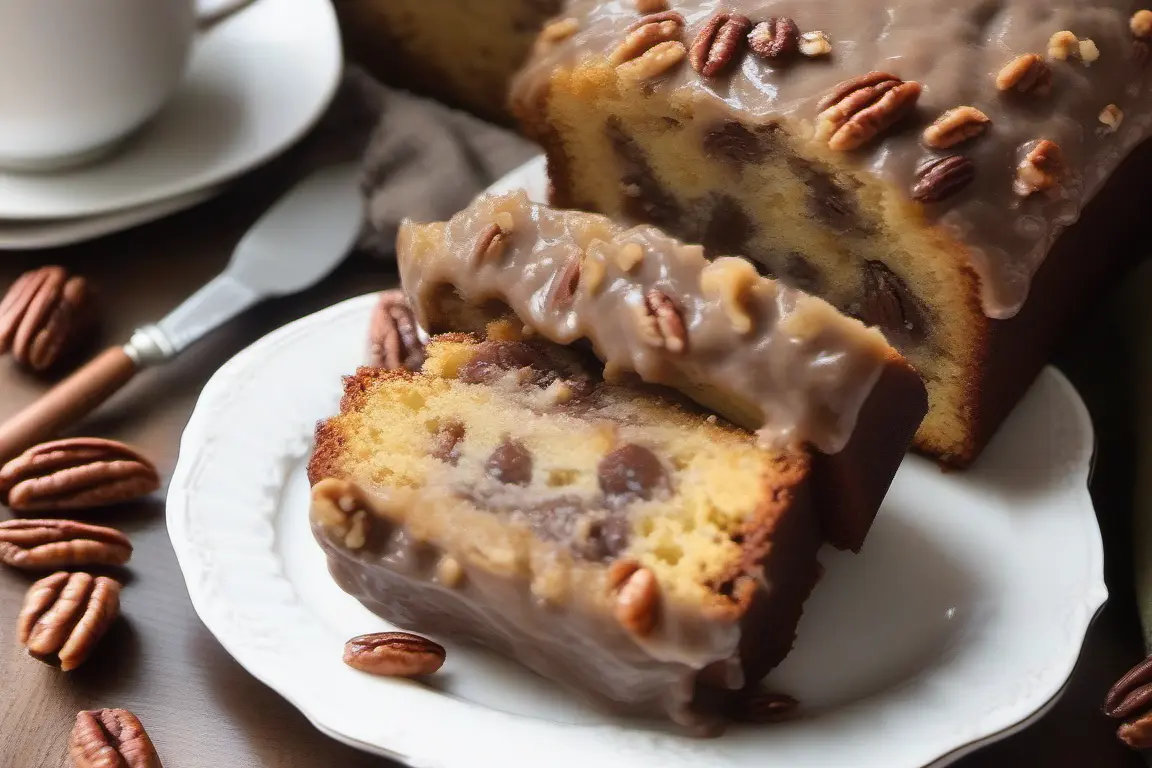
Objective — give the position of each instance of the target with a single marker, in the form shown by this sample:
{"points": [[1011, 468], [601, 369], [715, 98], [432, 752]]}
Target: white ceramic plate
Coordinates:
{"points": [[52, 233], [256, 83], [961, 619]]}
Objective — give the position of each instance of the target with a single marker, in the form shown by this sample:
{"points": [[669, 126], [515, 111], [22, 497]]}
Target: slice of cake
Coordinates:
{"points": [[463, 52], [914, 163], [626, 545], [765, 356]]}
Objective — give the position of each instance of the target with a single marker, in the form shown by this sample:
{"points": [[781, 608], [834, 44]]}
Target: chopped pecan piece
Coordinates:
{"points": [[1063, 45], [815, 43], [393, 340], [1141, 24], [493, 240], [654, 62], [46, 315], [858, 110], [942, 177], [718, 44], [567, 282], [661, 324], [50, 544], [111, 738], [956, 126], [76, 473], [775, 38], [65, 615], [1041, 169], [1028, 73], [638, 602], [1111, 116], [394, 654], [728, 280]]}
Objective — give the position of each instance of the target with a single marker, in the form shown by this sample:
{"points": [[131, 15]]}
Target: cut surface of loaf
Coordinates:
{"points": [[911, 161], [765, 356], [463, 52], [621, 543]]}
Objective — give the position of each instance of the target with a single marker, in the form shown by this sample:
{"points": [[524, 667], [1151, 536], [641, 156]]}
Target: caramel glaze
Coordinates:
{"points": [[954, 48]]}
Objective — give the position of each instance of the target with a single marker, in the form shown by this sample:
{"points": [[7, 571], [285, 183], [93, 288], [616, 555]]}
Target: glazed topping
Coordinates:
{"points": [[946, 99], [749, 346]]}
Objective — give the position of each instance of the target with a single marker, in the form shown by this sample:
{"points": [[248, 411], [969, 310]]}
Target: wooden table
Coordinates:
{"points": [[203, 710]]}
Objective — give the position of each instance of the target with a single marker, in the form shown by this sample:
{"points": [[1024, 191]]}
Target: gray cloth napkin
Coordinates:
{"points": [[420, 159]]}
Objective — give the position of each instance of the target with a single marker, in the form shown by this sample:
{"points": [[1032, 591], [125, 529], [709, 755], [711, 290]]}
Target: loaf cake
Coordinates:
{"points": [[463, 52], [914, 162], [767, 357], [629, 547]]}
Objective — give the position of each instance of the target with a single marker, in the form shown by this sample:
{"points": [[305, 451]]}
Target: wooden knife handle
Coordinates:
{"points": [[67, 402]]}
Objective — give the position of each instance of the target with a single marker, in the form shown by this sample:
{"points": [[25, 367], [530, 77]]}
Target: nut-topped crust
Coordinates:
{"points": [[1035, 71]]}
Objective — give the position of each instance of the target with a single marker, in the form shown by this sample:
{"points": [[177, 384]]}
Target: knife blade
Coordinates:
{"points": [[295, 244]]}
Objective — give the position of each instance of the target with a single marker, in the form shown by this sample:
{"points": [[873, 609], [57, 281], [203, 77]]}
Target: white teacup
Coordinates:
{"points": [[78, 76]]}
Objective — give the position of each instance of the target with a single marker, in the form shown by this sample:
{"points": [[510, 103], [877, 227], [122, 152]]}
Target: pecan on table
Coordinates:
{"points": [[65, 615], [40, 545], [858, 110], [394, 654], [393, 339], [76, 473], [661, 324], [46, 315], [718, 44], [111, 738], [1130, 701]]}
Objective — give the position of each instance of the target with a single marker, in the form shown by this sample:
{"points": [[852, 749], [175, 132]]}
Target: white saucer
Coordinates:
{"points": [[256, 83], [51, 233]]}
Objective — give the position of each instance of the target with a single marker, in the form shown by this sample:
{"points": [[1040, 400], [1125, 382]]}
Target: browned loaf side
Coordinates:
{"points": [[915, 162], [625, 545]]}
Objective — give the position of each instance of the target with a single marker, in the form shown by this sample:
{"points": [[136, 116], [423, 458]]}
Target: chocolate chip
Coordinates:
{"points": [[494, 358], [607, 538], [630, 472], [510, 463], [800, 273], [733, 142], [890, 306], [829, 202], [729, 228], [644, 197], [446, 444]]}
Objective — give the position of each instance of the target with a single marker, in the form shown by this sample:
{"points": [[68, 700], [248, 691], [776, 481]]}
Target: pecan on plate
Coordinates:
{"points": [[638, 601], [857, 110], [942, 177], [661, 324], [394, 654], [775, 38], [46, 315], [111, 738], [955, 126], [718, 44], [393, 341], [1041, 169], [40, 545], [65, 615], [1130, 700], [76, 473]]}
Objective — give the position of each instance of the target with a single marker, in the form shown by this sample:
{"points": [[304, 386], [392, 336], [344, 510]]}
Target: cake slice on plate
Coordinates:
{"points": [[768, 357]]}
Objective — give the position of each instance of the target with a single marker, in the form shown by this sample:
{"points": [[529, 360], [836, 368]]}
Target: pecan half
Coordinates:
{"points": [[1028, 73], [955, 126], [45, 316], [394, 654], [775, 38], [890, 305], [661, 324], [638, 602], [50, 544], [718, 44], [858, 110], [942, 177], [393, 341], [646, 34], [76, 473], [65, 615], [1041, 168], [1132, 695], [654, 62], [111, 738], [764, 707]]}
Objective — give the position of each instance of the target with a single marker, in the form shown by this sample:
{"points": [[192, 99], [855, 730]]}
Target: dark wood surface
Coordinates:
{"points": [[204, 711]]}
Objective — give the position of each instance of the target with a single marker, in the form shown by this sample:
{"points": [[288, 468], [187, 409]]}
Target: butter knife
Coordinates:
{"points": [[296, 243]]}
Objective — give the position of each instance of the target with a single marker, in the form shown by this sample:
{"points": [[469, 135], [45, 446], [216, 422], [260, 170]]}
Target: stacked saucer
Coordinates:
{"points": [[255, 83]]}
